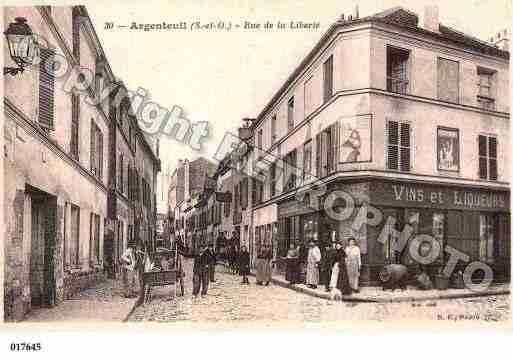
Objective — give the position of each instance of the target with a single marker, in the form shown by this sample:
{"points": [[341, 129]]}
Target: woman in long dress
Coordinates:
{"points": [[263, 265], [312, 265], [292, 273], [353, 264]]}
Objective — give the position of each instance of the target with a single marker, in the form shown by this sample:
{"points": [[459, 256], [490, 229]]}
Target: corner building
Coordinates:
{"points": [[411, 119]]}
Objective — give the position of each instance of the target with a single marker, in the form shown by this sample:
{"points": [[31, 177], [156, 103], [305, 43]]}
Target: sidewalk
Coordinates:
{"points": [[103, 302], [376, 294]]}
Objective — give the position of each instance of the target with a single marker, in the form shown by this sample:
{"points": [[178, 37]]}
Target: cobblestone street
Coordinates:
{"points": [[228, 300]]}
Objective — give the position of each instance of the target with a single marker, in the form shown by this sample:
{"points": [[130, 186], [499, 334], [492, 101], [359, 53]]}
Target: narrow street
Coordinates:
{"points": [[228, 300]]}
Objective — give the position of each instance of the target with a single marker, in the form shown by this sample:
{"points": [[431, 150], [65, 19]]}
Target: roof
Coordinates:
{"points": [[398, 17]]}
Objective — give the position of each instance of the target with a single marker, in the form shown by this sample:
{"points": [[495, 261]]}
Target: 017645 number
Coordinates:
{"points": [[25, 347]]}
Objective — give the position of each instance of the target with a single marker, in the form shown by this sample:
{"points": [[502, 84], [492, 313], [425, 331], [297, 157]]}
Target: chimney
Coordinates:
{"points": [[356, 12], [501, 40], [431, 21]]}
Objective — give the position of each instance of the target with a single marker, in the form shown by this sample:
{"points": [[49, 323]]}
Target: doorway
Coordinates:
{"points": [[43, 235]]}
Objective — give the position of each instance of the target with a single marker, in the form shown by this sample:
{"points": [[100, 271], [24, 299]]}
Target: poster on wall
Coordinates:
{"points": [[355, 139], [448, 149]]}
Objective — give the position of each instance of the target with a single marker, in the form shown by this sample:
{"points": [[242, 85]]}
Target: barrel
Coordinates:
{"points": [[393, 273]]}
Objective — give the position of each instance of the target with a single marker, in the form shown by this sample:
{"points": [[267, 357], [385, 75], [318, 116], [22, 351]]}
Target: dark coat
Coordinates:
{"points": [[201, 262], [343, 279], [244, 263], [212, 256]]}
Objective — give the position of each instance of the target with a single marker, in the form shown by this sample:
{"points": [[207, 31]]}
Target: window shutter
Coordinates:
{"points": [[46, 89], [483, 163], [318, 164], [492, 154], [93, 148], [405, 147], [393, 145], [100, 154], [75, 115], [448, 80]]}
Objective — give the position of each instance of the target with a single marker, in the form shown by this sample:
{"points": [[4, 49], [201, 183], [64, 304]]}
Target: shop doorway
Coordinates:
{"points": [[42, 252]]}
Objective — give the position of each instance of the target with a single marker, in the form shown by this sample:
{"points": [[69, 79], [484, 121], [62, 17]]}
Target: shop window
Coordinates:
{"points": [[399, 151], [486, 237], [439, 230], [397, 70], [310, 228], [487, 157]]}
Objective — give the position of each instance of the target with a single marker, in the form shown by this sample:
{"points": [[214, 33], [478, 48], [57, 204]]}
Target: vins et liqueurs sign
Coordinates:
{"points": [[442, 197]]}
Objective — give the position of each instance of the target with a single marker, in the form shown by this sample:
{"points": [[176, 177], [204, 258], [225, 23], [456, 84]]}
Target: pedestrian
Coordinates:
{"points": [[303, 256], [292, 259], [353, 263], [243, 259], [200, 271], [328, 261], [263, 265], [212, 263], [339, 278], [131, 263], [312, 265]]}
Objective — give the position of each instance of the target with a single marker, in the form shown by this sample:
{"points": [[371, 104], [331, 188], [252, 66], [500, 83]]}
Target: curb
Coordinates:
{"points": [[314, 293], [134, 307]]}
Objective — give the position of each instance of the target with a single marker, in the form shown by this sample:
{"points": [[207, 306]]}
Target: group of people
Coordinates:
{"points": [[334, 266], [203, 270]]}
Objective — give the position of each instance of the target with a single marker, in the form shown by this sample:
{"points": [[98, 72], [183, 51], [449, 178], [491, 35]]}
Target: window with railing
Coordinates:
{"points": [[397, 70]]}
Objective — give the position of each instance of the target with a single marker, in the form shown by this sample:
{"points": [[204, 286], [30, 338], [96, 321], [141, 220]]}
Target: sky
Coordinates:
{"points": [[222, 77]]}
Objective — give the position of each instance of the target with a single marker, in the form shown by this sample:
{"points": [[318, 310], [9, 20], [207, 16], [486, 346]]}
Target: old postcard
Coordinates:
{"points": [[256, 162]]}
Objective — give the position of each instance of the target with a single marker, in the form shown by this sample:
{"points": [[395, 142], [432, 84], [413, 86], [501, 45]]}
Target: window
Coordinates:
{"points": [[290, 114], [257, 191], [120, 171], [75, 117], [46, 89], [487, 157], [397, 70], [94, 239], [236, 198], [327, 150], [96, 151], [289, 178], [121, 247], [76, 33], [485, 96], [307, 160], [486, 237], [272, 182], [259, 139], [227, 208], [448, 80], [398, 146], [74, 239], [273, 129], [328, 78], [244, 193]]}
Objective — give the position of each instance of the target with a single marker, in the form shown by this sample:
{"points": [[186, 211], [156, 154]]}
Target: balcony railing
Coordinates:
{"points": [[397, 85]]}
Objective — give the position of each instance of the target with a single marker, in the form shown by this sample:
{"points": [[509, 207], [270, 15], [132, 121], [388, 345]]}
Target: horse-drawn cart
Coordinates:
{"points": [[167, 272]]}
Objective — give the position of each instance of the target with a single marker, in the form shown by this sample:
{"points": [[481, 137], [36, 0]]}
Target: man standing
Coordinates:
{"points": [[312, 265], [212, 263], [328, 261], [200, 271]]}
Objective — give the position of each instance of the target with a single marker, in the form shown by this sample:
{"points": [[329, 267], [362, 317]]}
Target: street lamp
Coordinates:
{"points": [[23, 46]]}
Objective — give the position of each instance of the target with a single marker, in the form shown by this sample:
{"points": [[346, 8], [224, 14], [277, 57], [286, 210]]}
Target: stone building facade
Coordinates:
{"points": [[57, 163], [421, 112]]}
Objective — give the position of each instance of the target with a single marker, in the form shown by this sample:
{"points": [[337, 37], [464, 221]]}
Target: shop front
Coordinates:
{"points": [[474, 221]]}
